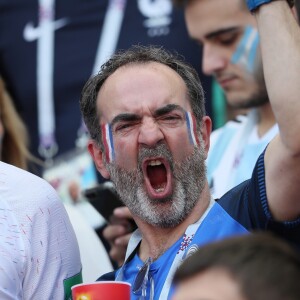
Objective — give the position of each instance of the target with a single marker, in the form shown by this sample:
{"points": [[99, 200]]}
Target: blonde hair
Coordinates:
{"points": [[15, 139]]}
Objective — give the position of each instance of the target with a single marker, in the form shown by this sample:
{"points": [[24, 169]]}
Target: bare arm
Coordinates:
{"points": [[280, 45]]}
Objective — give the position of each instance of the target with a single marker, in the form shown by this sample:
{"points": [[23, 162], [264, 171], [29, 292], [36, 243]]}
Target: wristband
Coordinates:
{"points": [[254, 4]]}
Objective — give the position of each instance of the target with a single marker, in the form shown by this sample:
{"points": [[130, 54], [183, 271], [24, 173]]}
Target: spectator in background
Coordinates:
{"points": [[231, 53], [229, 37], [13, 134], [52, 47], [251, 267]]}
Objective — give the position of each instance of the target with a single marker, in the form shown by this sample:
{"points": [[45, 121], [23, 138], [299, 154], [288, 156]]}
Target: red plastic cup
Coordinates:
{"points": [[103, 290]]}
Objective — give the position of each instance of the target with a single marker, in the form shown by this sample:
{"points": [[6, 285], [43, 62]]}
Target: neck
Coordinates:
{"points": [[157, 240], [266, 119]]}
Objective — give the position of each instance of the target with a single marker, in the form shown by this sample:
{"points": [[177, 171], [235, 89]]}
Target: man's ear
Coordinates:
{"points": [[205, 132], [98, 157]]}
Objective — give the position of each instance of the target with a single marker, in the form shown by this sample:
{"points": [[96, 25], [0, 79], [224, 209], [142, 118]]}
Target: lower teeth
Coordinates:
{"points": [[159, 190]]}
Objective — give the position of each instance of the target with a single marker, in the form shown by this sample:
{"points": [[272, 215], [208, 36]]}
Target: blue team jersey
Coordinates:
{"points": [[241, 210], [234, 150]]}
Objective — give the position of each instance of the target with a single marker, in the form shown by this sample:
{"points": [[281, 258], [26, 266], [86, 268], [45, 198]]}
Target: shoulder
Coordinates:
{"points": [[247, 202], [20, 186], [43, 226], [13, 176], [33, 202]]}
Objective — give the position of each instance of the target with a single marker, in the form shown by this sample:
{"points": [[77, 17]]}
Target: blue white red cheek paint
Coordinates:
{"points": [[246, 51], [192, 128], [108, 142]]}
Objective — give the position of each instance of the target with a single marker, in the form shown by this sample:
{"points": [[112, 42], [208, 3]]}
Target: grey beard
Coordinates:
{"points": [[189, 177]]}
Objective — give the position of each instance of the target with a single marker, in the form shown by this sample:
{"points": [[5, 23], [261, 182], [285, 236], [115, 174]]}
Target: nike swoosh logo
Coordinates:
{"points": [[32, 33]]}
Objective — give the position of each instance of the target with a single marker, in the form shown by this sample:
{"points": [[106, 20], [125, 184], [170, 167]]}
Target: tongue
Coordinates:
{"points": [[157, 176]]}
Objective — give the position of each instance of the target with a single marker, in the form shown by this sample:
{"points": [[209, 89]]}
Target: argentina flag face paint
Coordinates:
{"points": [[108, 142], [192, 128], [246, 51]]}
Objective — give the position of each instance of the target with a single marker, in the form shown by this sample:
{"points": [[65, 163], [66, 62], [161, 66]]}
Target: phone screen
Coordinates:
{"points": [[105, 199]]}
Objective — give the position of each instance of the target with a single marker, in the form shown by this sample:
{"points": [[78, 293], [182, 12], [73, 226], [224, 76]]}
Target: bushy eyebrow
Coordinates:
{"points": [[125, 117], [167, 109], [130, 117]]}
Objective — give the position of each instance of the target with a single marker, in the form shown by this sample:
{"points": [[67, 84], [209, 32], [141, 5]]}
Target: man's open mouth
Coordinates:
{"points": [[157, 177]]}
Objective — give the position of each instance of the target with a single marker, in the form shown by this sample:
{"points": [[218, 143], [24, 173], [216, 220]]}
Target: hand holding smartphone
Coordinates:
{"points": [[105, 199]]}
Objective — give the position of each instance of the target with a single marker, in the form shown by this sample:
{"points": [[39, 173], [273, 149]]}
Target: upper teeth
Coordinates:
{"points": [[155, 163]]}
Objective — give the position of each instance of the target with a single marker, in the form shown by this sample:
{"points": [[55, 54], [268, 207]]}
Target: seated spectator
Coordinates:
{"points": [[251, 267]]}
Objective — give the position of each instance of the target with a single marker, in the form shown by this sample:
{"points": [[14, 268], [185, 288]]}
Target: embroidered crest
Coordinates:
{"points": [[186, 240]]}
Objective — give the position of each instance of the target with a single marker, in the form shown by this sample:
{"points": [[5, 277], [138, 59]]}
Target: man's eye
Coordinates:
{"points": [[170, 119], [122, 127], [228, 40]]}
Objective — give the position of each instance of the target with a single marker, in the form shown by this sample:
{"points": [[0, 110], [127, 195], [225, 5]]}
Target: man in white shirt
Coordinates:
{"points": [[230, 41], [39, 254]]}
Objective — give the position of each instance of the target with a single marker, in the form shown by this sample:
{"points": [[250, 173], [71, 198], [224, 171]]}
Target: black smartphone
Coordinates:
{"points": [[105, 199]]}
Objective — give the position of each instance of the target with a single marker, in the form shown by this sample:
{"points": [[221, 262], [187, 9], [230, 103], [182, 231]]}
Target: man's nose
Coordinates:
{"points": [[150, 133], [212, 60]]}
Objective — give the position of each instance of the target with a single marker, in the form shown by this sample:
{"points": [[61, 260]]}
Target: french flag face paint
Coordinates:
{"points": [[108, 142], [245, 53], [192, 129]]}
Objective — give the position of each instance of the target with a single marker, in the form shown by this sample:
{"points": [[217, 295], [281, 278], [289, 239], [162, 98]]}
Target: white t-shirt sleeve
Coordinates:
{"points": [[43, 240], [12, 256]]}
